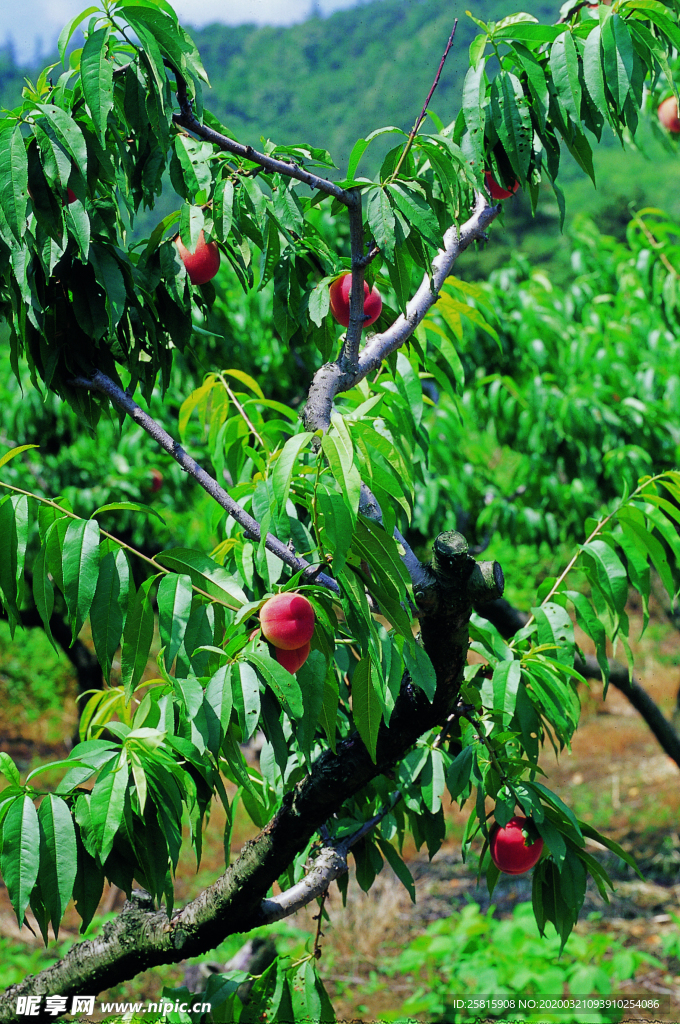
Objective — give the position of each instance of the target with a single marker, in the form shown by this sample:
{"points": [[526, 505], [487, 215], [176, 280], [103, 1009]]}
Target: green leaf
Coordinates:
{"points": [[14, 180], [565, 72], [512, 119], [205, 573], [20, 858], [58, 856], [9, 770], [381, 220], [284, 467], [398, 866], [174, 608], [223, 207], [80, 564], [137, 637], [284, 685], [107, 803], [593, 72], [366, 708], [555, 627], [506, 679], [417, 212], [109, 606], [43, 592], [249, 691], [132, 506], [474, 88], [618, 58], [312, 681], [218, 694], [96, 76], [420, 668], [4, 459], [608, 572], [13, 526], [70, 27], [68, 134], [459, 773]]}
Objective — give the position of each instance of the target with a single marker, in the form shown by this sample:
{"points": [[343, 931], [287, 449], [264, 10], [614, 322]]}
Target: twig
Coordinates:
{"points": [[100, 382], [188, 120], [330, 864], [421, 117]]}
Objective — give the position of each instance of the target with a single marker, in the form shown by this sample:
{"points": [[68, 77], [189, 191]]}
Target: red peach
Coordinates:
{"points": [[293, 660], [287, 621], [668, 115], [509, 850], [496, 190], [203, 263], [340, 290]]}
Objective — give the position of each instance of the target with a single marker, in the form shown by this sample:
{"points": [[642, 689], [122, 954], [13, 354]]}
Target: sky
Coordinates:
{"points": [[34, 25]]}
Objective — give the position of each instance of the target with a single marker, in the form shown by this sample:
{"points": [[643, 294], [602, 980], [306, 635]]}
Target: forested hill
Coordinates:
{"points": [[331, 81]]}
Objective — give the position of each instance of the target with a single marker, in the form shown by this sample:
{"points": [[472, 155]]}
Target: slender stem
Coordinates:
{"points": [[421, 116], [100, 382], [115, 540], [598, 528], [242, 411]]}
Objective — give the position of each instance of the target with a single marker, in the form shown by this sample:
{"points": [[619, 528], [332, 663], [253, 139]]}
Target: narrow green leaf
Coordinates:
{"points": [[58, 856], [68, 135], [81, 569], [107, 804], [20, 858], [205, 573], [109, 606], [565, 73], [13, 179], [96, 76], [15, 451], [284, 685], [366, 708], [399, 867], [473, 96], [618, 58], [284, 467], [137, 637], [174, 598], [381, 220]]}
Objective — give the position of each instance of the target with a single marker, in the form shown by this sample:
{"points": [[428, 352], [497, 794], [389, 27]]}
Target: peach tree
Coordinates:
{"points": [[386, 718]]}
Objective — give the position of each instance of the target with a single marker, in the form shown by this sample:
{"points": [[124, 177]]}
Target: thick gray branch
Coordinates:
{"points": [[100, 382], [339, 376]]}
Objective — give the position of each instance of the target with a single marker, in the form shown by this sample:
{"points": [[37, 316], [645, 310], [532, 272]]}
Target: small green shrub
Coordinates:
{"points": [[472, 954]]}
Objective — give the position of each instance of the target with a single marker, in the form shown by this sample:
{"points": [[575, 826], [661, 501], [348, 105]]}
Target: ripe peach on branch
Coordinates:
{"points": [[203, 263], [508, 845], [287, 621], [340, 293], [497, 191]]}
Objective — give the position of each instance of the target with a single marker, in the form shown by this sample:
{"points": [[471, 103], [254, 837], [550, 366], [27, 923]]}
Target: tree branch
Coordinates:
{"points": [[142, 937], [187, 119], [332, 378], [100, 382]]}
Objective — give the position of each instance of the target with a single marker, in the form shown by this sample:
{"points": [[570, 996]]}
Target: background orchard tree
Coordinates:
{"points": [[386, 713]]}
